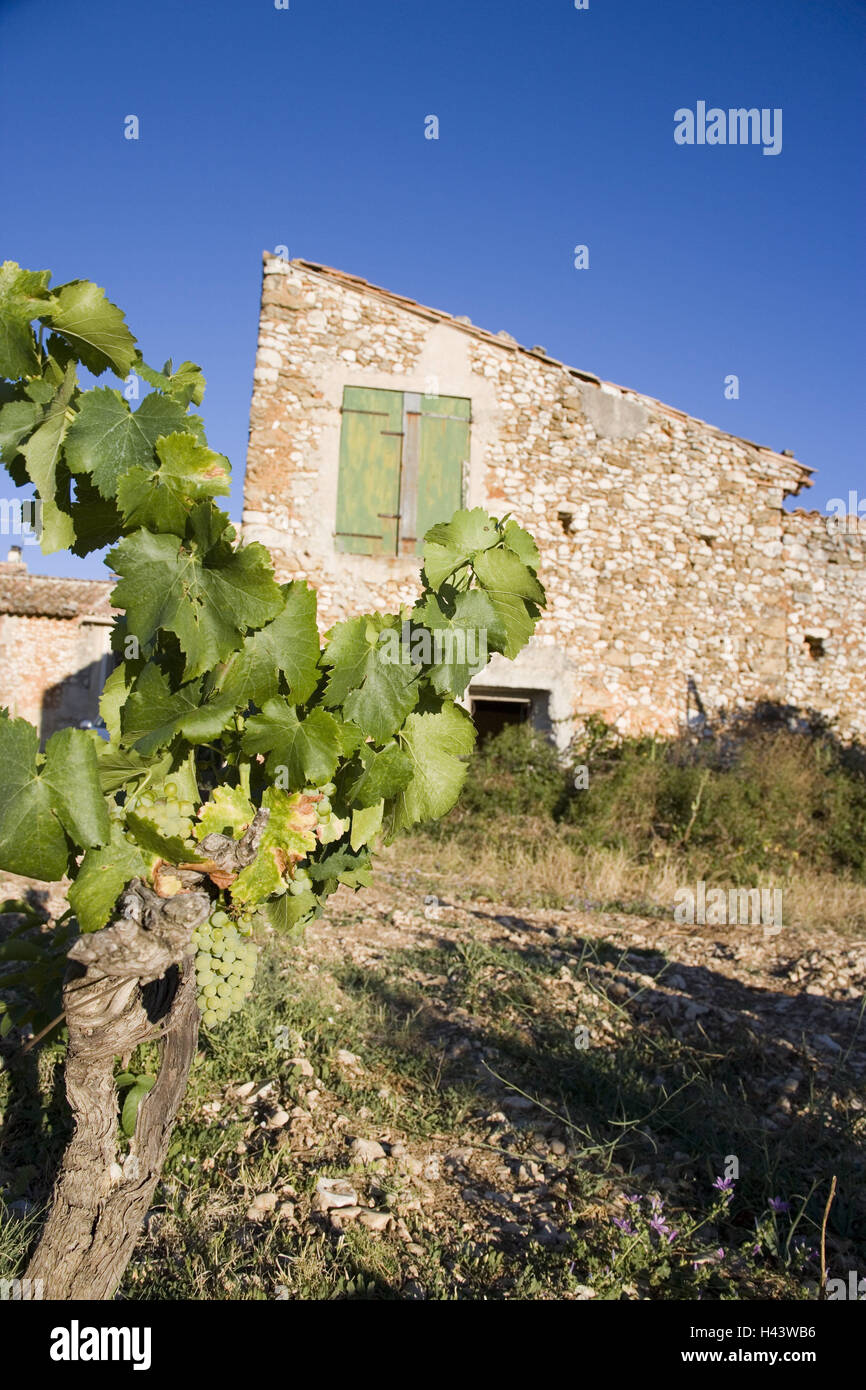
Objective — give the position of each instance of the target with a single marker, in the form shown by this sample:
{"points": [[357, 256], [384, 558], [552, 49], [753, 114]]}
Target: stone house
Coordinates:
{"points": [[678, 585], [54, 645]]}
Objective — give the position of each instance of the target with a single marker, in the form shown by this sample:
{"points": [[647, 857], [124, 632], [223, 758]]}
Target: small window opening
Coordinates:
{"points": [[492, 715], [816, 646]]}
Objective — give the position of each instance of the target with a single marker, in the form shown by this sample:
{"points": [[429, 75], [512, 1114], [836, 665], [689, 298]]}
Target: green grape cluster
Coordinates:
{"points": [[168, 813], [225, 964]]}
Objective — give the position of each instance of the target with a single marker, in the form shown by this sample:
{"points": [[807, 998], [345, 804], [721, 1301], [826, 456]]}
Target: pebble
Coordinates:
{"points": [[334, 1192], [279, 1118], [261, 1206], [301, 1065], [367, 1151]]}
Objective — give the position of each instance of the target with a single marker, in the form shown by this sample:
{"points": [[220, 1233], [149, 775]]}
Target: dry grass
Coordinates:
{"points": [[539, 864]]}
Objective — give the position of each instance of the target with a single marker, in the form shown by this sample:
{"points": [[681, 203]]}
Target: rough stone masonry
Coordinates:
{"points": [[676, 580]]}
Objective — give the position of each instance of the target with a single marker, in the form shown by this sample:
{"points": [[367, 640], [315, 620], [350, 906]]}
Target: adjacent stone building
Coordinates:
{"points": [[54, 645], [678, 585]]}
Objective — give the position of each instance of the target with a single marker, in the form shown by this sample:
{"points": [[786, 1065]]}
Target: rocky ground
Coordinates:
{"points": [[443, 1098]]}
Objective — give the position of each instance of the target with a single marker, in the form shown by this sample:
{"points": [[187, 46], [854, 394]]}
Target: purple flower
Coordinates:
{"points": [[720, 1253], [725, 1185], [671, 1236], [624, 1225], [659, 1225], [656, 1203], [778, 1204], [632, 1200], [756, 1249]]}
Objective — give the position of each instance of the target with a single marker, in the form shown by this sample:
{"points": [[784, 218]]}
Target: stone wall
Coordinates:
{"points": [[676, 580], [54, 647]]}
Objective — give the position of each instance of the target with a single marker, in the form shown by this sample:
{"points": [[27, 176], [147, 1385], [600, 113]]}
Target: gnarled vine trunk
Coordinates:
{"points": [[130, 983]]}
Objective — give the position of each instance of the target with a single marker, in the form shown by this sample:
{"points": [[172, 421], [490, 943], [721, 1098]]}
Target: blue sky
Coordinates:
{"points": [[305, 127]]}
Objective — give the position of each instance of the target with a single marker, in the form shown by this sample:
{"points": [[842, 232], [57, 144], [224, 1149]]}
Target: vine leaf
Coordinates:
{"points": [[509, 583], [208, 599], [23, 295], [228, 812], [464, 630], [289, 644], [307, 748], [366, 824], [153, 715], [102, 876], [134, 1096], [289, 837], [376, 691], [450, 545], [383, 774], [42, 455], [106, 438], [185, 384], [44, 800], [161, 499], [437, 746], [80, 312]]}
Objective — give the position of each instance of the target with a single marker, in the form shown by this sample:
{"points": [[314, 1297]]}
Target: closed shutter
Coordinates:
{"points": [[368, 491], [443, 454]]}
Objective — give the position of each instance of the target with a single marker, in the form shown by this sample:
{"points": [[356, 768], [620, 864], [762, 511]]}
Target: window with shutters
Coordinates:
{"points": [[402, 462]]}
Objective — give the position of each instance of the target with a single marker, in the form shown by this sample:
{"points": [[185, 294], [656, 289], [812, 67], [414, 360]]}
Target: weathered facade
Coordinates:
{"points": [[54, 645], [676, 580]]}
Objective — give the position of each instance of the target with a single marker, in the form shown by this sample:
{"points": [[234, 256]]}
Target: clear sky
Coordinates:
{"points": [[304, 127]]}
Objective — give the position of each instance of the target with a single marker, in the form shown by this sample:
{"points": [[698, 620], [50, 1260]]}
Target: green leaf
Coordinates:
{"points": [[371, 677], [437, 745], [23, 295], [339, 865], [102, 877], [307, 748], [285, 913], [134, 1097], [289, 644], [153, 715], [39, 806], [115, 693], [468, 627], [160, 500], [71, 772], [207, 600], [508, 584], [289, 837], [366, 824], [228, 812], [521, 543], [18, 419], [185, 385], [451, 544], [96, 520], [175, 849], [94, 326], [384, 774], [42, 455], [106, 438], [121, 768]]}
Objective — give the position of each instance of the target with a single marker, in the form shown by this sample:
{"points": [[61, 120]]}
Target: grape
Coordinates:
{"points": [[323, 809], [328, 789], [224, 964]]}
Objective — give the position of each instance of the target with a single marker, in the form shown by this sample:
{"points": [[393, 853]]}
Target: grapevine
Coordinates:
{"points": [[252, 767]]}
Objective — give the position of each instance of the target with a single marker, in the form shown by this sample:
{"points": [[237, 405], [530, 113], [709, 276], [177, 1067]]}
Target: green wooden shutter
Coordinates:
{"points": [[368, 491], [443, 451]]}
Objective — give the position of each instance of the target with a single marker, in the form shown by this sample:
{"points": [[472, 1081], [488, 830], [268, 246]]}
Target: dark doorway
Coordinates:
{"points": [[492, 715]]}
